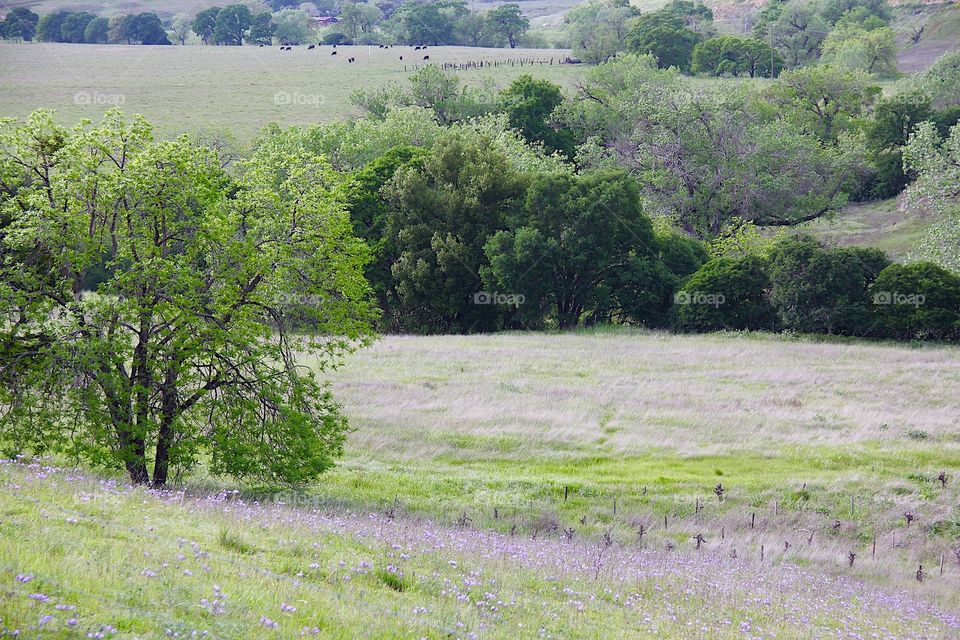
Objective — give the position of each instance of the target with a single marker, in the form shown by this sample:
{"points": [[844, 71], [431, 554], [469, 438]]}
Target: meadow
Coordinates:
{"points": [[543, 486], [190, 89]]}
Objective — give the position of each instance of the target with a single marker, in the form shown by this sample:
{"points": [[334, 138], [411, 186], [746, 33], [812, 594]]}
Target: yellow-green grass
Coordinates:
{"points": [[234, 89], [879, 224], [82, 557]]}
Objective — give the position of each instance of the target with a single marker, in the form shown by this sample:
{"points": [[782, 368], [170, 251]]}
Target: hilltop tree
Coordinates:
{"points": [[184, 352], [205, 24], [798, 32], [508, 21], [233, 22]]}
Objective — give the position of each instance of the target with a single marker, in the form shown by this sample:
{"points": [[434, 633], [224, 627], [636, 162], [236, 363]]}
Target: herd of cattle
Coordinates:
{"points": [[287, 47]]}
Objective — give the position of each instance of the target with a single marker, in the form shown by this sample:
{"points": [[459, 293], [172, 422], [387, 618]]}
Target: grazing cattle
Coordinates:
{"points": [[313, 46], [417, 48], [401, 57], [334, 53], [334, 46], [426, 57], [261, 46]]}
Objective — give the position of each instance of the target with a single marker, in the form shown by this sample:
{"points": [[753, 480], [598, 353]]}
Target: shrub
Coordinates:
{"points": [[820, 290], [725, 293], [918, 300]]}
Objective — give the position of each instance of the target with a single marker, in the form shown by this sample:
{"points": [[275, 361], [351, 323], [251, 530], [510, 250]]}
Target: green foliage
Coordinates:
{"points": [[680, 141], [936, 192], [856, 47], [97, 31], [797, 33], [508, 21], [598, 28], [734, 55], [441, 213], [19, 24], [183, 352], [725, 294], [357, 19], [942, 81], [291, 26], [825, 100], [529, 104], [261, 30], [232, 24], [833, 10], [819, 290], [918, 300], [50, 25], [74, 26], [740, 238], [663, 35], [205, 24], [579, 250]]}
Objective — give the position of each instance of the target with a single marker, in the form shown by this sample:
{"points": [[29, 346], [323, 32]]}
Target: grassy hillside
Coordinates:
{"points": [[236, 88], [940, 24], [873, 224], [517, 485]]}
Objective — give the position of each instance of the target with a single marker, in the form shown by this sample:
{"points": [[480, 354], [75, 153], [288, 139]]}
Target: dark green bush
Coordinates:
{"points": [[820, 290], [725, 293], [918, 300]]}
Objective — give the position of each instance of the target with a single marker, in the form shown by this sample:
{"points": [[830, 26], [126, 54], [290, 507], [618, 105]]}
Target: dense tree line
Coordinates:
{"points": [[785, 35]]}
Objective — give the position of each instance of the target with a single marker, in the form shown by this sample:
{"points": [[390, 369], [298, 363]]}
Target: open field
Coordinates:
{"points": [[499, 484], [237, 88]]}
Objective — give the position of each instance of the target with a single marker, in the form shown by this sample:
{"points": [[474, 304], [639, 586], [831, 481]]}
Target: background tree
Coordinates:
{"points": [[261, 30], [735, 55], [933, 312], [74, 26], [936, 192], [663, 35], [508, 21], [726, 294], [833, 10], [894, 120], [97, 31], [19, 24], [50, 25], [184, 351], [291, 26], [233, 22], [798, 33], [852, 46], [205, 24], [182, 27], [358, 18], [598, 28], [144, 28]]}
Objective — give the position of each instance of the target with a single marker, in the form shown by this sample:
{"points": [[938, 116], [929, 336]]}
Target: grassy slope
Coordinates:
{"points": [[941, 34], [235, 88], [80, 556], [488, 430], [873, 224]]}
